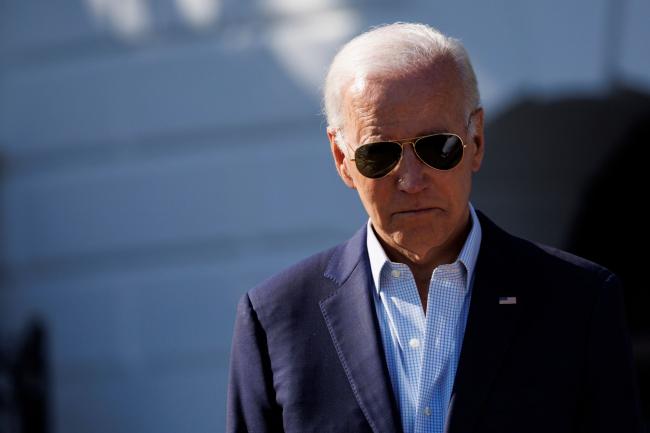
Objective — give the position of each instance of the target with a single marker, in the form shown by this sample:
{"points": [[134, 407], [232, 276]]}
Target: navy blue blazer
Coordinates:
{"points": [[307, 355]]}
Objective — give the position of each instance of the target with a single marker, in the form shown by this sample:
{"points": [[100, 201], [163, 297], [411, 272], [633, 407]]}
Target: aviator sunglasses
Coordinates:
{"points": [[441, 151]]}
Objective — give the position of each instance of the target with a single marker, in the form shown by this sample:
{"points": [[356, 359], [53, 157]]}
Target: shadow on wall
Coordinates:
{"points": [[578, 162], [542, 154], [612, 229], [24, 382]]}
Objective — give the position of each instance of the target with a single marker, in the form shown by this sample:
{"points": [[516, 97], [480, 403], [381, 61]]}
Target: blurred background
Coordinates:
{"points": [[158, 158]]}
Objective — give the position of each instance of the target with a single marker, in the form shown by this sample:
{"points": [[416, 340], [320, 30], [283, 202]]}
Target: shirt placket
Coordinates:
{"points": [[406, 317], [444, 303]]}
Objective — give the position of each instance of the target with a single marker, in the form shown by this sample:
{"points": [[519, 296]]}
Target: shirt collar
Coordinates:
{"points": [[467, 256]]}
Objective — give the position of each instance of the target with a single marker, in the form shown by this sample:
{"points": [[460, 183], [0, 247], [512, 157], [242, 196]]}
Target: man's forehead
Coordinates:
{"points": [[387, 105], [378, 93], [359, 84], [378, 89]]}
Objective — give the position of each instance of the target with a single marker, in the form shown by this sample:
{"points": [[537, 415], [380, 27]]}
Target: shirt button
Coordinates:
{"points": [[395, 273], [414, 343], [427, 411]]}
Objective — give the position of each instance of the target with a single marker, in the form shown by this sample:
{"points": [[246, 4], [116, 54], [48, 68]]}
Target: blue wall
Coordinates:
{"points": [[158, 159]]}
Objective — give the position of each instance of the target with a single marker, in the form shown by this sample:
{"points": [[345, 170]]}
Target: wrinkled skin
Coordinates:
{"points": [[420, 214]]}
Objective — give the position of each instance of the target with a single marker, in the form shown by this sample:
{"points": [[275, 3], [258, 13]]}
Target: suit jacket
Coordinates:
{"points": [[307, 354]]}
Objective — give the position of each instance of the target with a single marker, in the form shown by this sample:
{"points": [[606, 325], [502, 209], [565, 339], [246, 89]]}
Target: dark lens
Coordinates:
{"points": [[441, 151], [377, 159]]}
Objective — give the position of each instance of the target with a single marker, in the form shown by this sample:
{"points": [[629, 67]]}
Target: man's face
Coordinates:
{"points": [[417, 211]]}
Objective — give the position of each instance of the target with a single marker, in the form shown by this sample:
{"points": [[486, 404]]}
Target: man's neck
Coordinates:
{"points": [[433, 258], [422, 269]]}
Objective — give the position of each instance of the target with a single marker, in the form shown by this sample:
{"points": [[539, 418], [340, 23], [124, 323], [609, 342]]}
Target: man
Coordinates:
{"points": [[430, 318]]}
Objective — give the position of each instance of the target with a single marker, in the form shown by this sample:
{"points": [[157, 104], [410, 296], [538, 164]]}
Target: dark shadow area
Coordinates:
{"points": [[563, 135], [24, 382], [542, 153], [583, 158], [611, 229]]}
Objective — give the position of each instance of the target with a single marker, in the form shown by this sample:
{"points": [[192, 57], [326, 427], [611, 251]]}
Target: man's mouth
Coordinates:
{"points": [[416, 211]]}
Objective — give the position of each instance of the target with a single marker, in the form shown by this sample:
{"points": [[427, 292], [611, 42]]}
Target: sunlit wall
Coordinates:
{"points": [[159, 158]]}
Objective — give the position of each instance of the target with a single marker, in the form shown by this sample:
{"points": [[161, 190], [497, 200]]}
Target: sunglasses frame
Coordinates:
{"points": [[413, 141]]}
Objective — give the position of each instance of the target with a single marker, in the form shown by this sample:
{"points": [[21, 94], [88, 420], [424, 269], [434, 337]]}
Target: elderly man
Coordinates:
{"points": [[430, 318]]}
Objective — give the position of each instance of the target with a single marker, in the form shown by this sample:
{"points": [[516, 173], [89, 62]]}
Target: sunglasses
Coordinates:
{"points": [[440, 151]]}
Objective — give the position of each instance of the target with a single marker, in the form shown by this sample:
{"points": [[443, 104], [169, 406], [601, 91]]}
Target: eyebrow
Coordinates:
{"points": [[432, 131], [421, 134]]}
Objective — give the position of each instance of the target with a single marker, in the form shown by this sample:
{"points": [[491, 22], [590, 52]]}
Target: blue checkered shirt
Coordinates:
{"points": [[422, 351]]}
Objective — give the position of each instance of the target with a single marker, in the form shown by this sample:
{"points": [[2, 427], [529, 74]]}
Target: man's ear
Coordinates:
{"points": [[339, 158], [477, 151]]}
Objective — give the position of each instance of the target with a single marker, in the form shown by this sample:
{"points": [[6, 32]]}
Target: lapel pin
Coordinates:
{"points": [[507, 300]]}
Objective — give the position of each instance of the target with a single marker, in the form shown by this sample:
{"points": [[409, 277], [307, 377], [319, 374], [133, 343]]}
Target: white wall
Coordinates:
{"points": [[160, 158]]}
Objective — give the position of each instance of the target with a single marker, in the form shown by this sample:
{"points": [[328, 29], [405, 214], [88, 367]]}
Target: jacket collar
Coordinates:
{"points": [[350, 317], [491, 324], [351, 320]]}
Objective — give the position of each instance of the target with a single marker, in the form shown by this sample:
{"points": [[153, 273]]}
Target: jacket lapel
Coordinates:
{"points": [[490, 326], [349, 313]]}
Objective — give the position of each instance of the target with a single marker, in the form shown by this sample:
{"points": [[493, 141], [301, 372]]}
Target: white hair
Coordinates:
{"points": [[389, 49]]}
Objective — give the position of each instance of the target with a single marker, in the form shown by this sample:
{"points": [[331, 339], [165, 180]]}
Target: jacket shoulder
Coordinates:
{"points": [[544, 262], [304, 279], [569, 260]]}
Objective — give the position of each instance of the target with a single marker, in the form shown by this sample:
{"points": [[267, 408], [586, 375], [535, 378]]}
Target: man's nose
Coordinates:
{"points": [[411, 172]]}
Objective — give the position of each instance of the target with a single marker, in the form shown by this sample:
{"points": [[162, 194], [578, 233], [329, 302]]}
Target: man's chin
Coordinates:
{"points": [[417, 247]]}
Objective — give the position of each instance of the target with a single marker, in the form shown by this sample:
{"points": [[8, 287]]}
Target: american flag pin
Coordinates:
{"points": [[507, 300]]}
